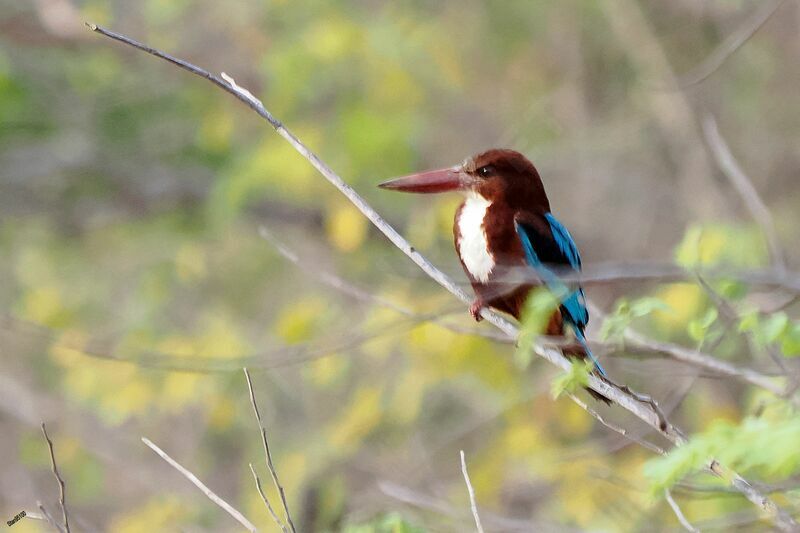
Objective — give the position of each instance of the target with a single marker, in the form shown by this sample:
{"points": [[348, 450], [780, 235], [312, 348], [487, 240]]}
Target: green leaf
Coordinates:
{"points": [[687, 254], [614, 325], [698, 328], [748, 321], [645, 306], [577, 377], [790, 346], [775, 326], [539, 308]]}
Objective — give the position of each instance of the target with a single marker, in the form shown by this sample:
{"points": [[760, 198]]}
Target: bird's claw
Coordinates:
{"points": [[475, 309]]}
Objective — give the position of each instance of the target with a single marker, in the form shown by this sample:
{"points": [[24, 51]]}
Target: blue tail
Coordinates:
{"points": [[582, 339]]}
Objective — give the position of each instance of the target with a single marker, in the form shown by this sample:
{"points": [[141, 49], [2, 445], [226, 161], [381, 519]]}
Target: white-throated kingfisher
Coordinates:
{"points": [[505, 225]]}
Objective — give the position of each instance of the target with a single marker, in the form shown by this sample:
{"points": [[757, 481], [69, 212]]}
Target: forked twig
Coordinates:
{"points": [[268, 459], [61, 499], [47, 517], [264, 498]]}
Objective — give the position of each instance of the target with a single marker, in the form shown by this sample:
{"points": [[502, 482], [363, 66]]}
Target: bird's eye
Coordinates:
{"points": [[486, 171]]}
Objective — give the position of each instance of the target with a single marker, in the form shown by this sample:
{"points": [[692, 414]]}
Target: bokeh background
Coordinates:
{"points": [[136, 279]]}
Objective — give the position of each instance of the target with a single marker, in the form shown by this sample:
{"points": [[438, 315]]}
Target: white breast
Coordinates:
{"points": [[472, 245]]}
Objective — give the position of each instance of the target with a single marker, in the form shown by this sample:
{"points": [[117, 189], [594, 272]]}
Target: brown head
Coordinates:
{"points": [[499, 175]]}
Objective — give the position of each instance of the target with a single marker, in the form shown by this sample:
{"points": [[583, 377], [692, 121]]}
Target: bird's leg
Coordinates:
{"points": [[475, 309]]}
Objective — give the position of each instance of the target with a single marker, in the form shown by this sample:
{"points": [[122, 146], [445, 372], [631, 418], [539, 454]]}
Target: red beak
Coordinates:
{"points": [[446, 179]]}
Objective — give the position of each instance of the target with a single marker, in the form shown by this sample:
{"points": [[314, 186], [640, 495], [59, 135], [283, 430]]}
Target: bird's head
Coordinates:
{"points": [[496, 175]]}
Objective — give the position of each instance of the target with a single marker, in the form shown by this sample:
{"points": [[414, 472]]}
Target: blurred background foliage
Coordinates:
{"points": [[136, 283]]}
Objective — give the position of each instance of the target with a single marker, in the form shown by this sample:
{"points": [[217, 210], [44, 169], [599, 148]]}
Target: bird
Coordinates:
{"points": [[504, 226]]}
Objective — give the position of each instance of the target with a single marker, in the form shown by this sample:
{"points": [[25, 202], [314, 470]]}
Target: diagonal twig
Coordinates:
{"points": [[349, 289], [264, 498], [47, 517], [268, 458], [678, 513], [729, 46], [617, 429], [57, 474], [642, 408], [472, 504], [747, 191], [228, 508]]}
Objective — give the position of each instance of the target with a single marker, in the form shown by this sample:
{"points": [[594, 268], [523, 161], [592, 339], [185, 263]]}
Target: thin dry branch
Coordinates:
{"points": [[747, 191], [228, 508], [268, 458], [47, 517], [349, 289], [266, 501], [678, 513], [639, 405], [57, 474], [617, 429], [729, 46], [472, 503]]}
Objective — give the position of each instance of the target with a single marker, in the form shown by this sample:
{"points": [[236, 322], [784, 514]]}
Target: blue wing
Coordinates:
{"points": [[549, 244]]}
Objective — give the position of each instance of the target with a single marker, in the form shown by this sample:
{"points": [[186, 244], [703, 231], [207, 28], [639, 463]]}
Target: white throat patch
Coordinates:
{"points": [[472, 244]]}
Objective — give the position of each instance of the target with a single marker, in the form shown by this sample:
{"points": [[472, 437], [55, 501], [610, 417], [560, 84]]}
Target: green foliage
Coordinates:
{"points": [[719, 244], [389, 523], [539, 309], [776, 328], [577, 377], [700, 329], [765, 446], [626, 311]]}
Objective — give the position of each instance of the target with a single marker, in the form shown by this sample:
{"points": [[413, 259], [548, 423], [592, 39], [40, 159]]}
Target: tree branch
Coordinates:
{"points": [[678, 513], [747, 191], [228, 508], [60, 480], [472, 504], [640, 406], [729, 46], [268, 458]]}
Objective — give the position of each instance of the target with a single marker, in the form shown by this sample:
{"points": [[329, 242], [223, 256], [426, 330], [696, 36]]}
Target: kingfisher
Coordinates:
{"points": [[503, 226]]}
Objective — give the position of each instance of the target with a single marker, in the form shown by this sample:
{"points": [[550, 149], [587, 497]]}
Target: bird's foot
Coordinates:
{"points": [[475, 309]]}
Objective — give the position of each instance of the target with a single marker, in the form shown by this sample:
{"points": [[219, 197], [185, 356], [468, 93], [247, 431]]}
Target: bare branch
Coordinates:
{"points": [[266, 500], [268, 456], [362, 295], [61, 499], [639, 405], [747, 191], [228, 508], [613, 427], [472, 504], [678, 513], [780, 518], [47, 517], [729, 46]]}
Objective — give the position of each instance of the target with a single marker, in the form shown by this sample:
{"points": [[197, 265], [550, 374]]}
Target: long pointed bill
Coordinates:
{"points": [[446, 179]]}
